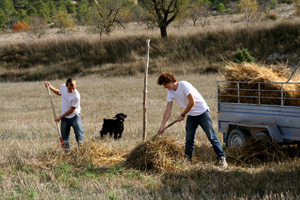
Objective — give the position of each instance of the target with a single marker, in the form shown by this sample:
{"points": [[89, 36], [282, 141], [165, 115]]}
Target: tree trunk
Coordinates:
{"points": [[163, 31]]}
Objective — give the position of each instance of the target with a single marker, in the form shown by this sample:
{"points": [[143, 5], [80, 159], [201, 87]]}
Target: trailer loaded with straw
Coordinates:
{"points": [[259, 101]]}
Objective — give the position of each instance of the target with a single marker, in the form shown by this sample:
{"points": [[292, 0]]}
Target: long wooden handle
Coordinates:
{"points": [[140, 145], [165, 128], [171, 124], [58, 130]]}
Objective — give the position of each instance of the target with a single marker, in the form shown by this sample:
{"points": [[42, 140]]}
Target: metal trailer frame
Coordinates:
{"points": [[280, 122]]}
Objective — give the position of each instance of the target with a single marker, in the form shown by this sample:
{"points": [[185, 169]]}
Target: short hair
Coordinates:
{"points": [[165, 78], [70, 81]]}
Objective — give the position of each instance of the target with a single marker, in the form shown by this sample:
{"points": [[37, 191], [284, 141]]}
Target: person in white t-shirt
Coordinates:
{"points": [[197, 112], [70, 116]]}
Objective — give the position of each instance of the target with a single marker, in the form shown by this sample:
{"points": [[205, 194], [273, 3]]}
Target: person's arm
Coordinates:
{"points": [[167, 114], [53, 89], [72, 109], [188, 107]]}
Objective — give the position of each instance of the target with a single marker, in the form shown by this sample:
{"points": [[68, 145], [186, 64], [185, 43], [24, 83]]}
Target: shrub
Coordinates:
{"points": [[273, 17], [242, 56], [20, 27], [221, 7], [274, 4]]}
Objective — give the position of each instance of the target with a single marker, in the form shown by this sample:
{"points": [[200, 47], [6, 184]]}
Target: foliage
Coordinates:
{"points": [[273, 4], [104, 17], [199, 9], [20, 27], [38, 26], [62, 20], [164, 11], [82, 13], [2, 21], [221, 7], [8, 7], [249, 9], [242, 56]]}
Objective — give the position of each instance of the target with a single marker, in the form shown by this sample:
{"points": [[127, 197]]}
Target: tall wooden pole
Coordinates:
{"points": [[145, 92]]}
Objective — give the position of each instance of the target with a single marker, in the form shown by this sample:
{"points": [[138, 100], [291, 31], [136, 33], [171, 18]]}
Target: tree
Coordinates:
{"points": [[103, 17], [199, 9], [37, 26], [82, 14], [267, 5], [31, 11], [248, 8], [137, 13], [8, 7], [52, 9], [70, 7], [164, 11], [20, 4], [194, 10], [23, 15], [62, 20], [20, 27], [2, 21]]}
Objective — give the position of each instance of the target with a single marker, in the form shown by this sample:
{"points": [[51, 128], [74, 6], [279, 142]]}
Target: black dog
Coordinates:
{"points": [[115, 126]]}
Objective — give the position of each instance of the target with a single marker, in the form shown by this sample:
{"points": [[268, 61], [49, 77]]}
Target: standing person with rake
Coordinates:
{"points": [[197, 112], [70, 116]]}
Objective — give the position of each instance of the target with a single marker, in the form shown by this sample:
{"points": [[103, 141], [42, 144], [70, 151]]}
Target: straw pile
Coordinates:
{"points": [[91, 152], [256, 152], [253, 73], [159, 154]]}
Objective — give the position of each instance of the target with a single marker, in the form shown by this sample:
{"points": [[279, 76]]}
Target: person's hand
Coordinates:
{"points": [[57, 120], [161, 130], [47, 84], [180, 118]]}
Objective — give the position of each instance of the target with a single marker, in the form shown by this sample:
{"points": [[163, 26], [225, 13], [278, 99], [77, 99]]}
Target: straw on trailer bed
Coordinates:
{"points": [[252, 74]]}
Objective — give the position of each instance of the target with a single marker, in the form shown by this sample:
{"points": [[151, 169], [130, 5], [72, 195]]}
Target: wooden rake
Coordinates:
{"points": [[58, 130]]}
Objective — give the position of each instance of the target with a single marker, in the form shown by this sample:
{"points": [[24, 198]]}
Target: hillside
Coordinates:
{"points": [[190, 49]]}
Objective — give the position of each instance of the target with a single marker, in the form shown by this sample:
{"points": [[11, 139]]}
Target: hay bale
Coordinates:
{"points": [[159, 154], [252, 74]]}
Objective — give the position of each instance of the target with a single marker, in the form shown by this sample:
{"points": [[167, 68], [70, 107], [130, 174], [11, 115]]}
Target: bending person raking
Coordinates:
{"points": [[70, 116], [196, 110]]}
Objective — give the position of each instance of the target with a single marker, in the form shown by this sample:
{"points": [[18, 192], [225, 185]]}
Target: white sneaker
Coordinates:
{"points": [[222, 162]]}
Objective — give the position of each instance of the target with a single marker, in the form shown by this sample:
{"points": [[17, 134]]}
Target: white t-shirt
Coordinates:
{"points": [[180, 95], [68, 100]]}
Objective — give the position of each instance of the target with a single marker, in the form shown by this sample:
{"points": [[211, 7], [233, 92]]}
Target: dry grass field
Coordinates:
{"points": [[32, 165]]}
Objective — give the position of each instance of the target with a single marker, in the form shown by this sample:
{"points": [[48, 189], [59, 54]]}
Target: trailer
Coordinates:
{"points": [[259, 112]]}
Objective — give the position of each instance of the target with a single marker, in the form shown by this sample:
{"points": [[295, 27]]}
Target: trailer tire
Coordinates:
{"points": [[263, 136], [236, 137]]}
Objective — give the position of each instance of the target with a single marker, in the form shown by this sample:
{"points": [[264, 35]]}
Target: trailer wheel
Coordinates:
{"points": [[263, 136], [236, 138]]}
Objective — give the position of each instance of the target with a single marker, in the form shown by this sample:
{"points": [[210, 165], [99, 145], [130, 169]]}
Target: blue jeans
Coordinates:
{"points": [[66, 124], [204, 120]]}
